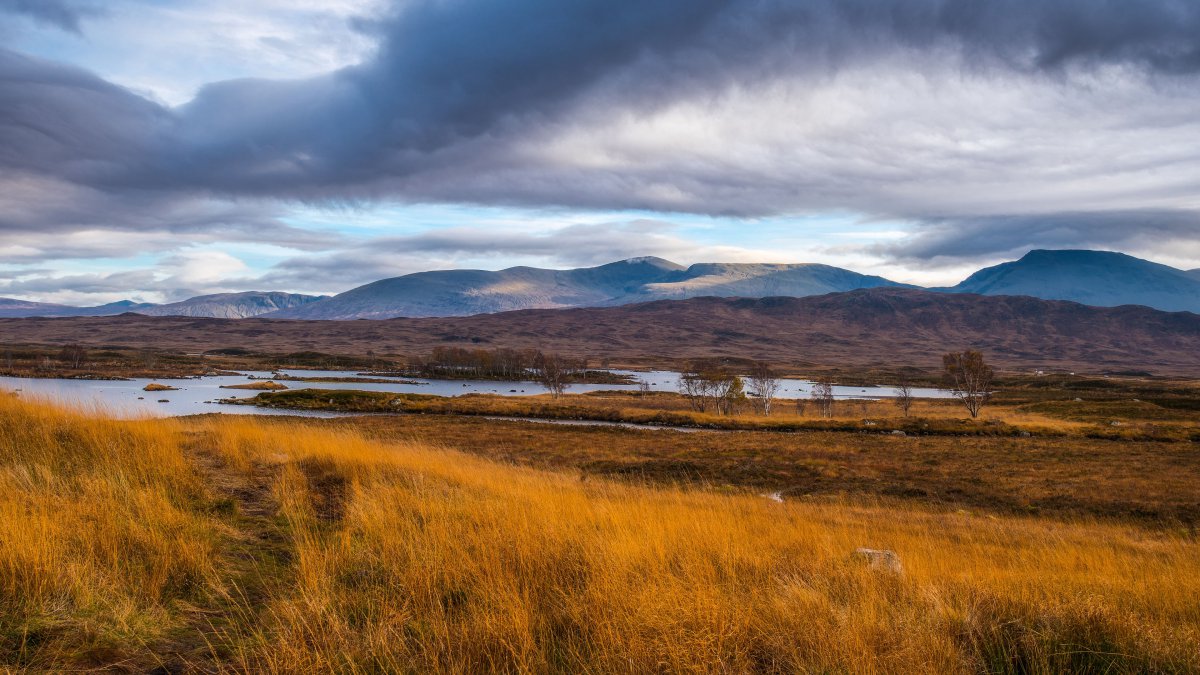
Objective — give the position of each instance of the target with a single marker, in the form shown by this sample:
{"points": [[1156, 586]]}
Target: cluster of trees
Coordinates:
{"points": [[553, 371], [480, 364], [70, 356], [74, 356], [711, 386]]}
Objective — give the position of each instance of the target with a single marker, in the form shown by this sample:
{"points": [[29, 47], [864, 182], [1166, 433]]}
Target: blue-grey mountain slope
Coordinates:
{"points": [[11, 308], [219, 306], [467, 292], [230, 305], [1098, 278]]}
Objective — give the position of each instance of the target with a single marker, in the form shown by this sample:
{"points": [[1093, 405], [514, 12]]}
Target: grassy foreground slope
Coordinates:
{"points": [[222, 544]]}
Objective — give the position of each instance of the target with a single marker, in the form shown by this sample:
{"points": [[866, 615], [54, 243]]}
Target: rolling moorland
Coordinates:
{"points": [[874, 330]]}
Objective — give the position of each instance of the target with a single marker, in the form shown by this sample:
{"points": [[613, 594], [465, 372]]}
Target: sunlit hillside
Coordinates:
{"points": [[227, 544]]}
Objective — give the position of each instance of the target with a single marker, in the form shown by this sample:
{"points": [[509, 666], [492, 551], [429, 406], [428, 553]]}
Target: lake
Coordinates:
{"points": [[126, 398]]}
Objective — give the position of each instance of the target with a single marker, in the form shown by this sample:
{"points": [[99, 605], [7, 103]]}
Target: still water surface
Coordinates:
{"points": [[195, 396]]}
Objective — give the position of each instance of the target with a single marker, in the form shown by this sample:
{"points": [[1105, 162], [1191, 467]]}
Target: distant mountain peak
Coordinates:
{"points": [[653, 261], [231, 305], [1099, 278]]}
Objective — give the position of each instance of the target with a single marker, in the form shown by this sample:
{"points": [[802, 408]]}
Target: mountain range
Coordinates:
{"points": [[1097, 278], [467, 292], [221, 305]]}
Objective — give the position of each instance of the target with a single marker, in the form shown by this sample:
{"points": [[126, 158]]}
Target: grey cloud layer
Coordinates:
{"points": [[65, 14], [448, 73], [574, 245], [542, 102], [971, 238]]}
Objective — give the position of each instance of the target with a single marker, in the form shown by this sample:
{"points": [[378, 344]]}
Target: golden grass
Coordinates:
{"points": [[269, 385], [928, 416], [119, 545]]}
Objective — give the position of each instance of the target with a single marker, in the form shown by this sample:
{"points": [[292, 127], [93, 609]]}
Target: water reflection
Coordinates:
{"points": [[127, 398]]}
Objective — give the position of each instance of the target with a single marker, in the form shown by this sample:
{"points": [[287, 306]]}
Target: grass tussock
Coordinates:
{"points": [[229, 544]]}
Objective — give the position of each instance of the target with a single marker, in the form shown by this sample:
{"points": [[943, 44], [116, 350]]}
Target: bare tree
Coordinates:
{"points": [[554, 373], [712, 387], [801, 406], [904, 396], [73, 355], [728, 393], [822, 395], [694, 388], [643, 389], [970, 379], [765, 385], [148, 358]]}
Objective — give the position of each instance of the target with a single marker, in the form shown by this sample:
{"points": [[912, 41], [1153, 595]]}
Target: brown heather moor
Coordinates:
{"points": [[235, 545]]}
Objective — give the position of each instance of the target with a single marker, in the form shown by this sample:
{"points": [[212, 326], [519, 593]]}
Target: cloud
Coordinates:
{"points": [[462, 84], [176, 277], [577, 245], [117, 284], [952, 240], [986, 115], [64, 14]]}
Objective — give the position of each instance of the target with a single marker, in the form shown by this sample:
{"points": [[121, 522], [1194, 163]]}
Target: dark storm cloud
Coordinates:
{"points": [[448, 72], [65, 122], [65, 14], [460, 97], [970, 238], [456, 85]]}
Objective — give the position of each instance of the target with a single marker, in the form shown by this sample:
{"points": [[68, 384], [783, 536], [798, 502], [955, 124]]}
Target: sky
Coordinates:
{"points": [[159, 149]]}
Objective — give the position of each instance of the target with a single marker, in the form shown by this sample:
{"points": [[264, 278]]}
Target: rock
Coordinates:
{"points": [[1024, 434], [897, 432], [880, 560]]}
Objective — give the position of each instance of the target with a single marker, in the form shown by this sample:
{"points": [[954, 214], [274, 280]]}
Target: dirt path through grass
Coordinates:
{"points": [[255, 566]]}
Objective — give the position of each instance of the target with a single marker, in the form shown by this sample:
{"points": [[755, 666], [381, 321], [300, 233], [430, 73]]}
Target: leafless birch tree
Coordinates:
{"points": [[904, 396], [970, 379], [764, 383]]}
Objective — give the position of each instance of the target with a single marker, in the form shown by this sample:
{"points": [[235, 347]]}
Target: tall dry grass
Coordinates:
{"points": [[408, 558], [101, 539]]}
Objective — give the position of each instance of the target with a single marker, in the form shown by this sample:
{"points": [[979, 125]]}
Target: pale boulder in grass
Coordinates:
{"points": [[880, 560]]}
